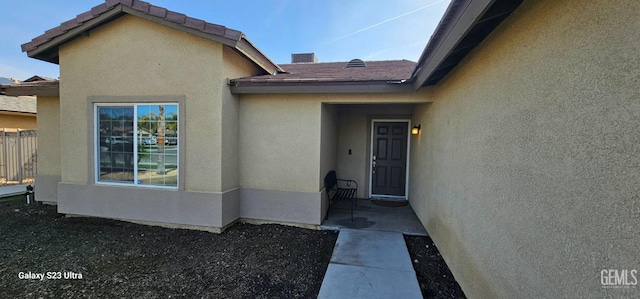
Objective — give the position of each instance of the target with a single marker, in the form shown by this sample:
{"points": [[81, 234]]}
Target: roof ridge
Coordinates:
{"points": [[367, 61], [141, 6], [45, 46]]}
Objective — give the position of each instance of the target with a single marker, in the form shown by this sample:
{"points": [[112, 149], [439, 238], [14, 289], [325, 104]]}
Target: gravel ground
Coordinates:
{"points": [[434, 277], [93, 257]]}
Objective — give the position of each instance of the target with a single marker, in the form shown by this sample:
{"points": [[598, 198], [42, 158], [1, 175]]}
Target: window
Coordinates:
{"points": [[137, 144]]}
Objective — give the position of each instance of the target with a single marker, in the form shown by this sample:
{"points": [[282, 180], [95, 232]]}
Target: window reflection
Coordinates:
{"points": [[153, 131], [116, 144]]}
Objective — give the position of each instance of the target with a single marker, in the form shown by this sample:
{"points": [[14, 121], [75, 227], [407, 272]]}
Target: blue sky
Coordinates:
{"points": [[336, 30]]}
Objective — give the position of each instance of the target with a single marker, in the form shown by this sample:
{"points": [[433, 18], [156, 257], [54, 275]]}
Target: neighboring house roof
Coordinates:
{"points": [[37, 78], [45, 47], [4, 80], [18, 104], [39, 88]]}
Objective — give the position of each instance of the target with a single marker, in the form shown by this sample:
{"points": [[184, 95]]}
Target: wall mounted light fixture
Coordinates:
{"points": [[415, 130]]}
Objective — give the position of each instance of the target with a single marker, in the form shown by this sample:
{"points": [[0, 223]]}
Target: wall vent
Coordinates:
{"points": [[304, 58], [355, 63]]}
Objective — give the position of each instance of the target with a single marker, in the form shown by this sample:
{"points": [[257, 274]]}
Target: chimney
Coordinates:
{"points": [[304, 58]]}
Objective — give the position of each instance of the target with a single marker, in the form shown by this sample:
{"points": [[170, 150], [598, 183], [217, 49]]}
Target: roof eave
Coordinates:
{"points": [[386, 86], [465, 14], [246, 48], [48, 51]]}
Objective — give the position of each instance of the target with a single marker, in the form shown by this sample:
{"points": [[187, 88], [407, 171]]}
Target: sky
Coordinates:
{"points": [[336, 30]]}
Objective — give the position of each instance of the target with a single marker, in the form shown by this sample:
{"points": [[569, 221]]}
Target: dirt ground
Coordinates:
{"points": [[118, 259], [434, 277], [93, 257]]}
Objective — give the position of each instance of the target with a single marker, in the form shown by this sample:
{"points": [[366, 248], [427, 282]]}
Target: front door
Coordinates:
{"points": [[389, 160]]}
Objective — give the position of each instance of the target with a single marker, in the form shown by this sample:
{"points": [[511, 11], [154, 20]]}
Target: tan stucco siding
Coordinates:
{"points": [[421, 96], [49, 135], [48, 149], [135, 57], [280, 142], [328, 141], [235, 66], [15, 120], [526, 171]]}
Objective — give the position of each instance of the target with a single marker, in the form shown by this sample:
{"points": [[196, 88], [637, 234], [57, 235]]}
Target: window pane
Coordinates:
{"points": [[115, 144], [157, 137]]}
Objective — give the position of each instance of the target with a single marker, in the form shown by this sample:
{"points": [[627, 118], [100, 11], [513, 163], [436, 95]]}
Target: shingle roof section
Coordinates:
{"points": [[142, 6], [338, 72], [18, 104]]}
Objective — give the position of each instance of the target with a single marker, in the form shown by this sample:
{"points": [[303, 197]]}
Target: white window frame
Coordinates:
{"points": [[96, 144]]}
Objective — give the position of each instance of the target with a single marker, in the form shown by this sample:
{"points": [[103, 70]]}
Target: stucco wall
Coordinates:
{"points": [[135, 57], [235, 66], [328, 141], [49, 135], [280, 142], [48, 148], [18, 121], [526, 172]]}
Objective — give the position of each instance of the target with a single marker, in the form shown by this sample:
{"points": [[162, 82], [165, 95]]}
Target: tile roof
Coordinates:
{"points": [[141, 6], [46, 88], [337, 72], [45, 46], [18, 104]]}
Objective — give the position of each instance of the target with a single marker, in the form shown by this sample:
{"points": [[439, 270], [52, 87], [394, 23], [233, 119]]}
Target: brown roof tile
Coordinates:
{"points": [[112, 3], [175, 17], [214, 29], [141, 6], [99, 9], [157, 11], [68, 25], [83, 17], [146, 8], [232, 34], [194, 23], [336, 71]]}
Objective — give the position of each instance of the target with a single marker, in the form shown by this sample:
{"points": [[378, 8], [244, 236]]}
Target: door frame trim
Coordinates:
{"points": [[406, 183]]}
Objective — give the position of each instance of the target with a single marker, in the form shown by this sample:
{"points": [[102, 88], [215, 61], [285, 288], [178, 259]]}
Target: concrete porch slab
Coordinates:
{"points": [[368, 216]]}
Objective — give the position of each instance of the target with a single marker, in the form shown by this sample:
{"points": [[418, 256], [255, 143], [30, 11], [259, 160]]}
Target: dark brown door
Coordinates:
{"points": [[389, 161]]}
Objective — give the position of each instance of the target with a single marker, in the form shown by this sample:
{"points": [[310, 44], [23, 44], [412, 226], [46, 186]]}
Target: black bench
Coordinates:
{"points": [[346, 190]]}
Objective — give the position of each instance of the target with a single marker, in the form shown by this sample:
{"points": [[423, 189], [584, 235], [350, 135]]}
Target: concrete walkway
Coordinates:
{"points": [[12, 190], [370, 264]]}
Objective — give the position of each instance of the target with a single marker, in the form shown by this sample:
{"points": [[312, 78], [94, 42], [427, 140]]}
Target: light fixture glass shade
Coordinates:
{"points": [[415, 130]]}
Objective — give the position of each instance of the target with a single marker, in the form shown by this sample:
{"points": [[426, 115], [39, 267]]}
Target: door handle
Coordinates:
{"points": [[373, 165]]}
